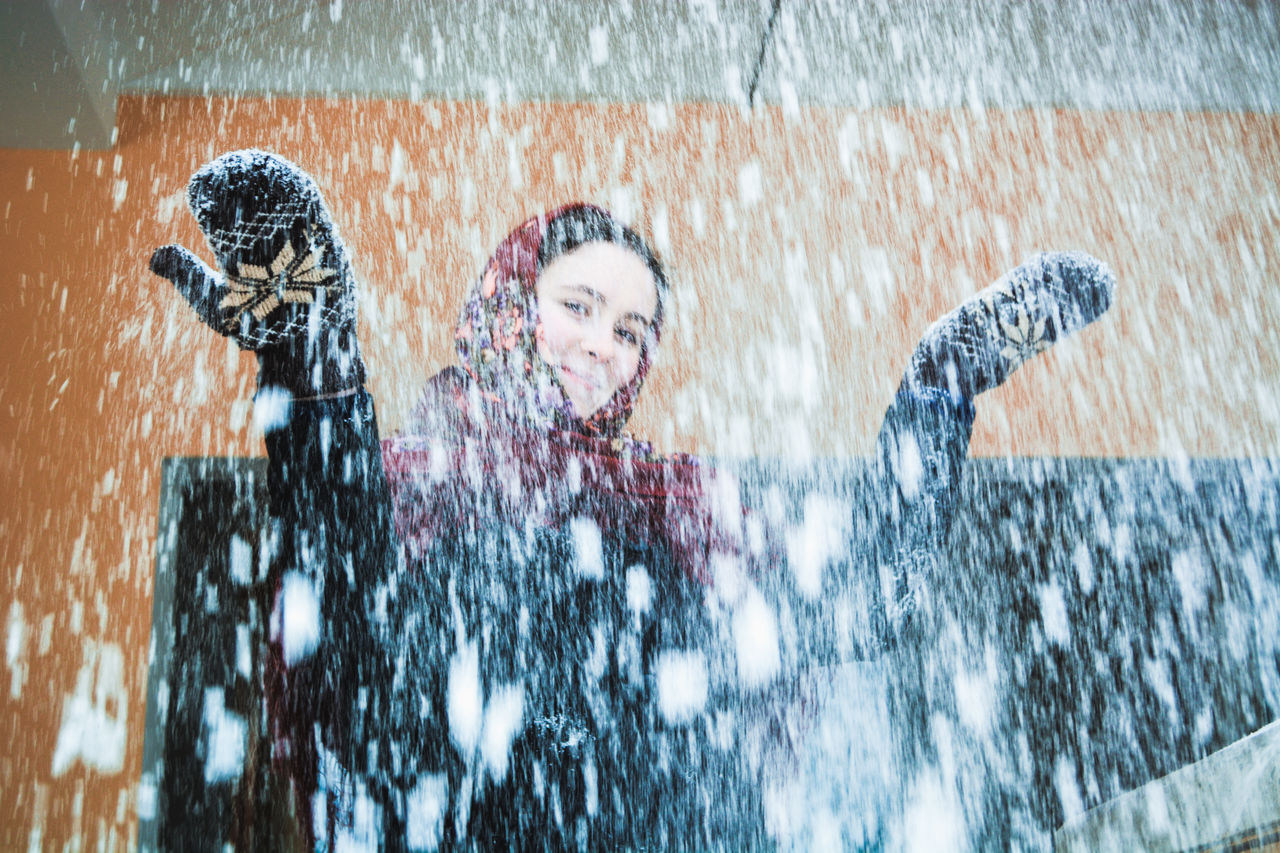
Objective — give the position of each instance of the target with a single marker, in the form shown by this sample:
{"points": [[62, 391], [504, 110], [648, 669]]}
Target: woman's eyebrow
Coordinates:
{"points": [[589, 291]]}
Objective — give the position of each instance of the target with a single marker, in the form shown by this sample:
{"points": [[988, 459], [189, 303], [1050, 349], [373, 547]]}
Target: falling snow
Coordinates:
{"points": [[823, 637]]}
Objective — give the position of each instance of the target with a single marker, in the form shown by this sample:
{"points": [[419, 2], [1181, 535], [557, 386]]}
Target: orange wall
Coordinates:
{"points": [[808, 251]]}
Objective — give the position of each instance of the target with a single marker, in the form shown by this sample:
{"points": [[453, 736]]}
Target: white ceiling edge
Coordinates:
{"points": [[1137, 55]]}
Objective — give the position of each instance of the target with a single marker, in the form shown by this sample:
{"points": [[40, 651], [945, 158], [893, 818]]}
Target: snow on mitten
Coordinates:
{"points": [[975, 347], [285, 288]]}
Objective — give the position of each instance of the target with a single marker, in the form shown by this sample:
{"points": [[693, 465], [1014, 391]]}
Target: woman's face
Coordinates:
{"points": [[596, 306]]}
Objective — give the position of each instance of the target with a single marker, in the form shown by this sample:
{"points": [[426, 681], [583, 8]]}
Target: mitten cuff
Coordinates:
{"points": [[310, 368]]}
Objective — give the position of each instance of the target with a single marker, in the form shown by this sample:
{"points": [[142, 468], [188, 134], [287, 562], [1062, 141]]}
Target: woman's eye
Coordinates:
{"points": [[578, 308], [627, 336]]}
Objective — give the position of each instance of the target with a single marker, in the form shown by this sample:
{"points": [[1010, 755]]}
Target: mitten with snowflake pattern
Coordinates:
{"points": [[978, 345], [284, 286]]}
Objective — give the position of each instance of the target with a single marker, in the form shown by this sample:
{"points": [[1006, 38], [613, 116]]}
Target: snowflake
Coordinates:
{"points": [[1024, 337], [288, 278]]}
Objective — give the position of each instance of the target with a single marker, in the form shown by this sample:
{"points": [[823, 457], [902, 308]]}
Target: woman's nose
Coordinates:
{"points": [[598, 343]]}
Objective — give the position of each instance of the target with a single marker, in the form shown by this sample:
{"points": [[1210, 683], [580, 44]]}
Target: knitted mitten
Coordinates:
{"points": [[285, 290], [975, 347]]}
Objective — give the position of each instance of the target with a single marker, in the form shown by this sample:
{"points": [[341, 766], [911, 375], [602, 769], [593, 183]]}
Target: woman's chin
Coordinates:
{"points": [[580, 396], [583, 409]]}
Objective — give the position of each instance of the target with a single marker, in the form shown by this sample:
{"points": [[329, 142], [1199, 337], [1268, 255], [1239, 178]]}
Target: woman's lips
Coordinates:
{"points": [[579, 379]]}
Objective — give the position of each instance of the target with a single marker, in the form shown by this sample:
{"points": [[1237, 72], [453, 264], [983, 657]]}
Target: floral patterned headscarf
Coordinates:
{"points": [[498, 331]]}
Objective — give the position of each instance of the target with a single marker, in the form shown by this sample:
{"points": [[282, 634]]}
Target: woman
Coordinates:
{"points": [[514, 627]]}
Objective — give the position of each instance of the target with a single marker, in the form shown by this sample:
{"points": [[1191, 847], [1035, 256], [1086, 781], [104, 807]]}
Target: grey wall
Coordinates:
{"points": [[69, 59]]}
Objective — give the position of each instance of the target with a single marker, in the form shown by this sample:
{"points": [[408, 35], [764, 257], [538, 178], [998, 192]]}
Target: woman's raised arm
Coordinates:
{"points": [[924, 439], [285, 291]]}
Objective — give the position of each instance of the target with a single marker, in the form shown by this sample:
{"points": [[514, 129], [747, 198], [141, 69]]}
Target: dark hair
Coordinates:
{"points": [[576, 226]]}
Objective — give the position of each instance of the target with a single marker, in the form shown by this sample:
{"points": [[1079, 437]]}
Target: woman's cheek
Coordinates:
{"points": [[629, 364], [550, 336]]}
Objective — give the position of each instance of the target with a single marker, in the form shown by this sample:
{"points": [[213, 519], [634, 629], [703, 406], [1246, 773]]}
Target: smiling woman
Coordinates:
{"points": [[523, 629], [564, 320]]}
